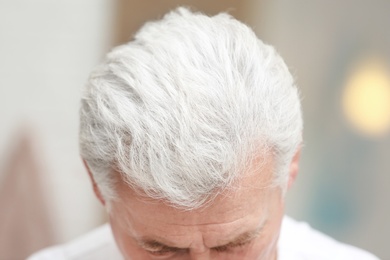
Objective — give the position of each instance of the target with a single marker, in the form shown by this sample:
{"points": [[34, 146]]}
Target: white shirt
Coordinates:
{"points": [[298, 241]]}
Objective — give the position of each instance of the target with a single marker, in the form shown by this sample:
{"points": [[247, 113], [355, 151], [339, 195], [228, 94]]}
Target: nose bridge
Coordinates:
{"points": [[200, 255], [198, 249]]}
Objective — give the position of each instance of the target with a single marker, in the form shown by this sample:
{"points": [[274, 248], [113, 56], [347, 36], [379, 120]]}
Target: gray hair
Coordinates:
{"points": [[181, 111]]}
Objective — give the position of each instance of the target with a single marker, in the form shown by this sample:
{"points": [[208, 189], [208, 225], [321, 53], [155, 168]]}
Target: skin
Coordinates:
{"points": [[225, 229]]}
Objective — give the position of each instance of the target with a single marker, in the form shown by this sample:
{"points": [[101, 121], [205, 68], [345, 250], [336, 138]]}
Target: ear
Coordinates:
{"points": [[94, 185], [294, 167]]}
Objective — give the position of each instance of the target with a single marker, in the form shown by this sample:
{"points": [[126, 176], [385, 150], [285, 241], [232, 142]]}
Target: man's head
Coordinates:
{"points": [[191, 135]]}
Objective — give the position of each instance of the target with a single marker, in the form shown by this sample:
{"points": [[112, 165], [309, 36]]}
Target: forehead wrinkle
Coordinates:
{"points": [[222, 223], [129, 211], [161, 243], [248, 235]]}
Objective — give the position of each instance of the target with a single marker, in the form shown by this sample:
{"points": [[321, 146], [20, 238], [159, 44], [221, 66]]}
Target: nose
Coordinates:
{"points": [[200, 255]]}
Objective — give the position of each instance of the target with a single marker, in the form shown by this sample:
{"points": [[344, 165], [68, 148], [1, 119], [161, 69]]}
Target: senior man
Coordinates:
{"points": [[191, 135]]}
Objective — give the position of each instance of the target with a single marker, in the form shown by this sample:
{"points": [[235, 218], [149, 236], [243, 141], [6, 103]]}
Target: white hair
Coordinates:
{"points": [[180, 111]]}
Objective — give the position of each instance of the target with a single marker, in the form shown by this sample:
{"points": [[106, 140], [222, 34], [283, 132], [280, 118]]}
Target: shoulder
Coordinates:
{"points": [[97, 244], [299, 241]]}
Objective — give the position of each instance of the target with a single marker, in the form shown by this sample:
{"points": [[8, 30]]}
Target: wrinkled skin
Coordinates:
{"points": [[203, 233]]}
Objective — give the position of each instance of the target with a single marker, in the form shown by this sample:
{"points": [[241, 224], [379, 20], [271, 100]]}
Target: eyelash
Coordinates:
{"points": [[163, 252], [227, 248], [167, 251], [160, 252]]}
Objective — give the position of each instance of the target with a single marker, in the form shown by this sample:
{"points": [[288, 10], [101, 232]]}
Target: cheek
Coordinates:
{"points": [[264, 248], [259, 250], [268, 249], [271, 237], [266, 245]]}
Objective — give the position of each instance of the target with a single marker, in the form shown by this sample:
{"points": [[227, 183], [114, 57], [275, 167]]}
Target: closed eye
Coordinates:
{"points": [[229, 247], [160, 252], [165, 251]]}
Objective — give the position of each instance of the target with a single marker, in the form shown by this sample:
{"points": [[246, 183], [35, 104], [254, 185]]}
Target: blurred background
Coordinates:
{"points": [[338, 51]]}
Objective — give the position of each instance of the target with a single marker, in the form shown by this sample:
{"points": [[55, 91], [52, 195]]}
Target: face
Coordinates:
{"points": [[240, 224]]}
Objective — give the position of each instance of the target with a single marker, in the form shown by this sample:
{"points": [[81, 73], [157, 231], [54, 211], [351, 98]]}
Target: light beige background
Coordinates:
{"points": [[48, 48]]}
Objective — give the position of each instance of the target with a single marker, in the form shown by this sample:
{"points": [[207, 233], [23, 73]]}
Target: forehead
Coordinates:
{"points": [[250, 195]]}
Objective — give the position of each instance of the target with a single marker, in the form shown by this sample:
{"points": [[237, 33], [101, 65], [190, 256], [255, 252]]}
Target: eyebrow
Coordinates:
{"points": [[154, 245], [242, 239]]}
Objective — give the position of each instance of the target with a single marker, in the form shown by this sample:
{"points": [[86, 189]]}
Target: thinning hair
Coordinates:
{"points": [[180, 111]]}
